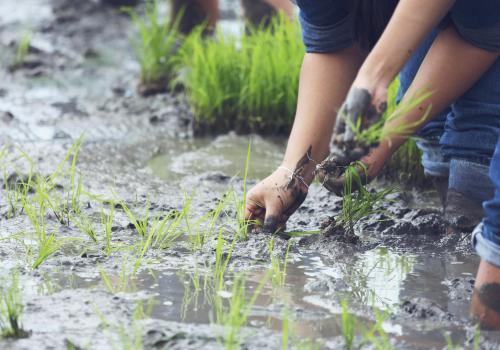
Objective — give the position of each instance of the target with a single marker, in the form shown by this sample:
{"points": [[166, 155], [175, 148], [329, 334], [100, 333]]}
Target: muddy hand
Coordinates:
{"points": [[273, 200], [358, 104], [369, 163]]}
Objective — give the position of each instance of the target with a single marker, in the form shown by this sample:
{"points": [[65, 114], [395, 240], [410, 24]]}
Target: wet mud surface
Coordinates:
{"points": [[81, 77]]}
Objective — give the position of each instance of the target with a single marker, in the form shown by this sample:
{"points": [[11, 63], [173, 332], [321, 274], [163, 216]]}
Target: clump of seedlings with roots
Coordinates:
{"points": [[156, 48], [11, 310], [404, 166], [355, 206]]}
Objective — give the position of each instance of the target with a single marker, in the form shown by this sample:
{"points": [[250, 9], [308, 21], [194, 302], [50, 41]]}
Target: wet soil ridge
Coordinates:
{"points": [[99, 253]]}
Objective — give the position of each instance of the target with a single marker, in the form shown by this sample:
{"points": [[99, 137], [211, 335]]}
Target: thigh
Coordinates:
{"points": [[471, 130]]}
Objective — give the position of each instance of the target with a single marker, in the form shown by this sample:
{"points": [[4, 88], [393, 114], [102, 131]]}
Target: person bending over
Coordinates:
{"points": [[354, 50]]}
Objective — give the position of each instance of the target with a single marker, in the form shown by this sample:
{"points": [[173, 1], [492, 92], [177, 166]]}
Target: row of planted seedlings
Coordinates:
{"points": [[38, 197]]}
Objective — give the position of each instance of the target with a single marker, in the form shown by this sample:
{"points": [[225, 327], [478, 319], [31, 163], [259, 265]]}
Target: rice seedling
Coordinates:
{"points": [[242, 224], [405, 164], [22, 51], [377, 336], [11, 310], [47, 246], [449, 342], [203, 229], [221, 260], [107, 226], [156, 47], [129, 337], [278, 274], [16, 193], [120, 283], [235, 315], [165, 231], [84, 224], [349, 323], [248, 84], [356, 207], [35, 210], [140, 224]]}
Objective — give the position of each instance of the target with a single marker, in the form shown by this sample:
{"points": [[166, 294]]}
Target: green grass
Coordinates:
{"points": [[248, 84], [156, 45], [11, 310]]}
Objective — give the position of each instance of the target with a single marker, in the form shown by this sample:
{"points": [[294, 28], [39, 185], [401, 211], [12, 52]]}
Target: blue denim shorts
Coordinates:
{"points": [[328, 25]]}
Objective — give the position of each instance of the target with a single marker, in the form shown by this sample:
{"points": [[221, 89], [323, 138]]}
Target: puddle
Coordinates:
{"points": [[225, 154]]}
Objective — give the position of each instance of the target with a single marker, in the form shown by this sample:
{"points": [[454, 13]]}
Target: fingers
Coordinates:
{"points": [[272, 220], [253, 209]]}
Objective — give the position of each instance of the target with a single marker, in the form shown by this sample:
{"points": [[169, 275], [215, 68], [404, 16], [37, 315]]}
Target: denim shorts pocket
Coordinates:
{"points": [[328, 38]]}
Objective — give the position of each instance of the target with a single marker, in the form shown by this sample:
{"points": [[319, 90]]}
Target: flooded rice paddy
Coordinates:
{"points": [[405, 275]]}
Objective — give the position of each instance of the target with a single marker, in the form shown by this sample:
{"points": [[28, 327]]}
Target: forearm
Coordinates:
{"points": [[411, 22], [446, 75], [324, 82]]}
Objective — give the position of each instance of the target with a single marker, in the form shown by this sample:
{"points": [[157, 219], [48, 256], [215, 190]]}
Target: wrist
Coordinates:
{"points": [[306, 173]]}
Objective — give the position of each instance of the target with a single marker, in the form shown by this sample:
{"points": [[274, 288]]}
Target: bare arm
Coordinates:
{"points": [[324, 82], [411, 22], [447, 75]]}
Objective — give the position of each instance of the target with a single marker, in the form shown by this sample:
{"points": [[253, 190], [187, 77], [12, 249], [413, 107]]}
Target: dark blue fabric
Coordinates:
{"points": [[328, 25], [491, 230]]}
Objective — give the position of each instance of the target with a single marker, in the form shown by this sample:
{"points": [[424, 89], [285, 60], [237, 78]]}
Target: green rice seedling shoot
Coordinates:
{"points": [[11, 310]]}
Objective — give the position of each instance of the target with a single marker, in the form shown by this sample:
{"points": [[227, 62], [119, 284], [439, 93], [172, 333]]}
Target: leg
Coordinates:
{"points": [[435, 166], [486, 238], [468, 142], [195, 13]]}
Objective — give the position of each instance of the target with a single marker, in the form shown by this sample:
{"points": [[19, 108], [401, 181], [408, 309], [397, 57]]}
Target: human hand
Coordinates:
{"points": [[273, 200], [368, 163], [363, 106]]}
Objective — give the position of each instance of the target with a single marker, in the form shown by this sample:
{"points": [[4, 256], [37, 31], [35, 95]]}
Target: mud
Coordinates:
{"points": [[82, 78]]}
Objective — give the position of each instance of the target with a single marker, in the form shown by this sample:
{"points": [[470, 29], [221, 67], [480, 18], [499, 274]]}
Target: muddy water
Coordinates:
{"points": [[84, 82], [225, 154]]}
